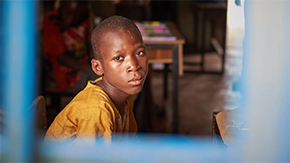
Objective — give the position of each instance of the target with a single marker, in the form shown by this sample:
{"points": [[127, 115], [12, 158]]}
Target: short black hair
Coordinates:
{"points": [[112, 23]]}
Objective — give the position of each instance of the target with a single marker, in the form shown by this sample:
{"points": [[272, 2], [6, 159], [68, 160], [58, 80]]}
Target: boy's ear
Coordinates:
{"points": [[97, 67]]}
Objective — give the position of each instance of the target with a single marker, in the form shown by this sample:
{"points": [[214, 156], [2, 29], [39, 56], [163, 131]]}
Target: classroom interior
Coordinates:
{"points": [[203, 93], [200, 93]]}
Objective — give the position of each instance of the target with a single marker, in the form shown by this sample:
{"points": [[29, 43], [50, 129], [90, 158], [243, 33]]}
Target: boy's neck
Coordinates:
{"points": [[119, 100]]}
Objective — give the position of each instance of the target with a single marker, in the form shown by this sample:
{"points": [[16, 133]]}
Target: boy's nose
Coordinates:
{"points": [[133, 64]]}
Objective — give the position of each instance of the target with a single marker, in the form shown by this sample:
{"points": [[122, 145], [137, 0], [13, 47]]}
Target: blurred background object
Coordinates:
{"points": [[66, 51]]}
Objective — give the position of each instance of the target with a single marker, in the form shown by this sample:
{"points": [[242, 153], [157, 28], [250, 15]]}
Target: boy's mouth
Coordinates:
{"points": [[136, 80]]}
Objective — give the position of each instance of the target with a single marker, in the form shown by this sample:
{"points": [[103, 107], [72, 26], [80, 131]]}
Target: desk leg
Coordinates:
{"points": [[203, 28], [196, 27], [175, 78], [224, 42], [165, 82]]}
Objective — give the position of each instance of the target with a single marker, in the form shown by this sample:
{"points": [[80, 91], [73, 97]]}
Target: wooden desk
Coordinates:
{"points": [[162, 51], [169, 52], [227, 123]]}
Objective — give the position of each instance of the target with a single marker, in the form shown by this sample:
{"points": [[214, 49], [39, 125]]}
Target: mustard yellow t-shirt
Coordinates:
{"points": [[91, 114]]}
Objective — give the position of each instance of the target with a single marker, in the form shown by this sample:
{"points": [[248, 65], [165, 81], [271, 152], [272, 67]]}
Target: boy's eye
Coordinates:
{"points": [[118, 58], [140, 53]]}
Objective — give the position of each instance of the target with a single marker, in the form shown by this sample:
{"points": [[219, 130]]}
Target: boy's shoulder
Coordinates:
{"points": [[92, 94], [91, 97], [89, 103]]}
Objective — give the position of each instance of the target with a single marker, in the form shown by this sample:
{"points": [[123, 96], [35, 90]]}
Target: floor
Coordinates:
{"points": [[201, 94]]}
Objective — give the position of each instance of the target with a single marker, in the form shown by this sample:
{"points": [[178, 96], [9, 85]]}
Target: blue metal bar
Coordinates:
{"points": [[266, 81], [18, 77]]}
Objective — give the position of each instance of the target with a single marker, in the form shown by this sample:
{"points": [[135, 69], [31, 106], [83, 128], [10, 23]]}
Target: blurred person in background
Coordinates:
{"points": [[66, 44]]}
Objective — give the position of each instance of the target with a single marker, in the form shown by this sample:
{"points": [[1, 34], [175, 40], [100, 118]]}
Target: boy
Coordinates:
{"points": [[105, 106]]}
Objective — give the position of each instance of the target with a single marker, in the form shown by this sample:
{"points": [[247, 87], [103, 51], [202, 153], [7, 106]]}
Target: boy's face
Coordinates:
{"points": [[124, 61]]}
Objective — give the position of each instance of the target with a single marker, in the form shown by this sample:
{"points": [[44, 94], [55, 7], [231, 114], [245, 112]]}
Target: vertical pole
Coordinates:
{"points": [[224, 40], [203, 39], [165, 81], [18, 77], [266, 90], [196, 27], [175, 78]]}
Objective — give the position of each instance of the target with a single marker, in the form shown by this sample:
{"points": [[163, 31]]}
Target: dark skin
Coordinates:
{"points": [[71, 12], [123, 65]]}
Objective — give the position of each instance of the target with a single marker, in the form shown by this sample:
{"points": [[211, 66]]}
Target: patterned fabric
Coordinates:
{"points": [[71, 41], [92, 114]]}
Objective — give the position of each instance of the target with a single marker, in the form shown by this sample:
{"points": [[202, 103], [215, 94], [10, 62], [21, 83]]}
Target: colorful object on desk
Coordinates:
{"points": [[154, 30], [158, 37], [152, 23]]}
